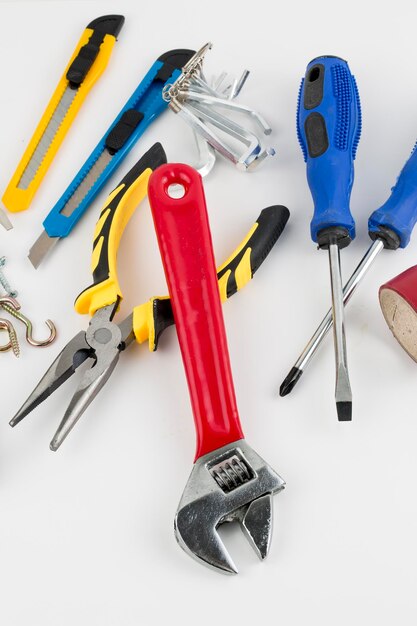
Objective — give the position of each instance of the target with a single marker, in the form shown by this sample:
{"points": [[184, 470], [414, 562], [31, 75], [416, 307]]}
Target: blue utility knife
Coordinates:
{"points": [[144, 106]]}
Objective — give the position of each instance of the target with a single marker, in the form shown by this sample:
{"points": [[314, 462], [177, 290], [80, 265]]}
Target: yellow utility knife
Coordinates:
{"points": [[87, 63]]}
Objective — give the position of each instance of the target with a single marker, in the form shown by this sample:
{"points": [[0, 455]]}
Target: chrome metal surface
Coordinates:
{"points": [[198, 117], [348, 291], [44, 244], [205, 505], [100, 347], [343, 393], [4, 220], [104, 338], [194, 96], [91, 383], [206, 156], [68, 360], [41, 248], [206, 152], [195, 100], [238, 85], [191, 68], [47, 138], [231, 472]]}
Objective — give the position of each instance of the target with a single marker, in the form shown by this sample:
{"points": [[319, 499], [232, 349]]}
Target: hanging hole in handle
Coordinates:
{"points": [[314, 74], [176, 191]]}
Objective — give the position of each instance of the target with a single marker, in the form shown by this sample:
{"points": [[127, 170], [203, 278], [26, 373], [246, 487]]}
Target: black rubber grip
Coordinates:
{"points": [[81, 65], [313, 89], [316, 135], [333, 234], [108, 24], [173, 60], [163, 317], [271, 223], [152, 159], [390, 239], [124, 128]]}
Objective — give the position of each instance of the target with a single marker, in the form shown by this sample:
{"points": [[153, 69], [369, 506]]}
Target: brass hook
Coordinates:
{"points": [[13, 343], [12, 307]]}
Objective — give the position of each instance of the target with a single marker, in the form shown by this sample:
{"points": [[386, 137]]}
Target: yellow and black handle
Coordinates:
{"points": [[153, 317], [116, 213], [86, 65]]}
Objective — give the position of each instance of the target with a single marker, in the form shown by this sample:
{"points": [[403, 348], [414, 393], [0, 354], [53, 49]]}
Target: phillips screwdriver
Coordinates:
{"points": [[328, 128], [389, 227]]}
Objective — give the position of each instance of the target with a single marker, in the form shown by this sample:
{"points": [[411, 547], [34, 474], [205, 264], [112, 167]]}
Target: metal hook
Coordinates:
{"points": [[12, 307], [13, 343]]}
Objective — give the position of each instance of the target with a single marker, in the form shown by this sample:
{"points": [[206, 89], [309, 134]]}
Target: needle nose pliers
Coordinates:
{"points": [[104, 340]]}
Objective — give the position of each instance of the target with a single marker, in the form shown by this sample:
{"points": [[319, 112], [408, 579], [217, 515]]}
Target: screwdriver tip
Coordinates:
{"points": [[54, 445], [344, 411], [290, 381], [16, 419], [343, 395]]}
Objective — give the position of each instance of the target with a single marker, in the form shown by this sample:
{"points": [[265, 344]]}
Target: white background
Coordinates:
{"points": [[86, 534]]}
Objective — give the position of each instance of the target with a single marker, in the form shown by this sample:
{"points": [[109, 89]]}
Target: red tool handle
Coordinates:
{"points": [[186, 248]]}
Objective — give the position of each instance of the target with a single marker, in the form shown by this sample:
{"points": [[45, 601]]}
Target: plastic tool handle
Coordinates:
{"points": [[329, 125], [86, 65], [186, 248], [116, 213], [399, 213], [153, 317], [146, 101]]}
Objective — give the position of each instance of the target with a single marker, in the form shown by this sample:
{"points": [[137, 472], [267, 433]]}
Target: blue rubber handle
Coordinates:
{"points": [[145, 104], [399, 213], [328, 128]]}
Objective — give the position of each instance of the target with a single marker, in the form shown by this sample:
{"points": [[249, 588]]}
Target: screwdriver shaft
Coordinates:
{"points": [[327, 322], [343, 393]]}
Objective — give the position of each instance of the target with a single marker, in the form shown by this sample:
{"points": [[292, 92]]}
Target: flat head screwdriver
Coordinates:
{"points": [[389, 227], [328, 127]]}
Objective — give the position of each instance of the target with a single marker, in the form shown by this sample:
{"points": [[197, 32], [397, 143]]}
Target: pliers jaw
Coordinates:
{"points": [[228, 484], [76, 352], [105, 340], [101, 343]]}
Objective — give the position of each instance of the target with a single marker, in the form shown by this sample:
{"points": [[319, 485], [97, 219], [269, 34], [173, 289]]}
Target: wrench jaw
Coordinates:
{"points": [[230, 483], [257, 524]]}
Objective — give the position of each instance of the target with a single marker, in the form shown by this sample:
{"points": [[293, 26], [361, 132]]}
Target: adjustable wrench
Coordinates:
{"points": [[229, 480]]}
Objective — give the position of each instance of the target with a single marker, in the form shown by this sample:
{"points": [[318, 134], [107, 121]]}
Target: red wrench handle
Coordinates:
{"points": [[186, 248]]}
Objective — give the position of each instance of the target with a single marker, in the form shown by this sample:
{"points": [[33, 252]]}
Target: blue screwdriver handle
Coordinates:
{"points": [[145, 104], [394, 221], [328, 128]]}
